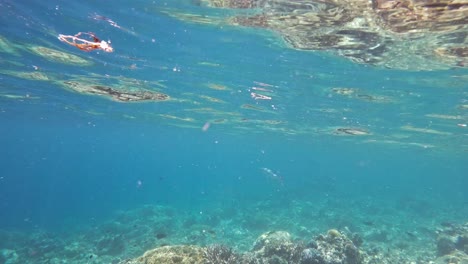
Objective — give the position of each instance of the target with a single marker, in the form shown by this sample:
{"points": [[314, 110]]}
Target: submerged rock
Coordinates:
{"points": [[335, 247], [311, 256], [276, 247], [452, 238], [220, 254], [172, 255], [445, 245], [59, 56]]}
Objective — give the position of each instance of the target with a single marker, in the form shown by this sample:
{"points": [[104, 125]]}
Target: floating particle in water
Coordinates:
{"points": [[258, 96], [110, 21], [272, 175], [206, 126], [215, 86], [351, 131], [269, 171]]}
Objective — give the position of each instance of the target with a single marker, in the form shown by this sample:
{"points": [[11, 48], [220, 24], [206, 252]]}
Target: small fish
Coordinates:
{"points": [[271, 174], [368, 223], [161, 235], [447, 224]]}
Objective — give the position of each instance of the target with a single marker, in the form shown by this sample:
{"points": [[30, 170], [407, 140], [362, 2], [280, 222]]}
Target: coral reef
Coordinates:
{"points": [[270, 248], [277, 247], [210, 238], [334, 247], [220, 254], [311, 256]]}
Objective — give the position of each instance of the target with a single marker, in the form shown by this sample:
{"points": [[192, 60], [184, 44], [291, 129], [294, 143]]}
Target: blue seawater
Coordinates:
{"points": [[212, 164]]}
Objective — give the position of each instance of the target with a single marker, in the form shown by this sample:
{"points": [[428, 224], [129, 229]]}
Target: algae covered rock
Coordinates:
{"points": [[8, 256], [451, 238], [334, 247], [172, 255], [277, 247], [452, 244], [456, 257], [272, 243]]}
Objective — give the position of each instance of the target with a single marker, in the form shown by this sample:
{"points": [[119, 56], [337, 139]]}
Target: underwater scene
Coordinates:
{"points": [[234, 132]]}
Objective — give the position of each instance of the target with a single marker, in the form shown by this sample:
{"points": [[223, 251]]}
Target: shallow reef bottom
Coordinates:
{"points": [[262, 232], [278, 247]]}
